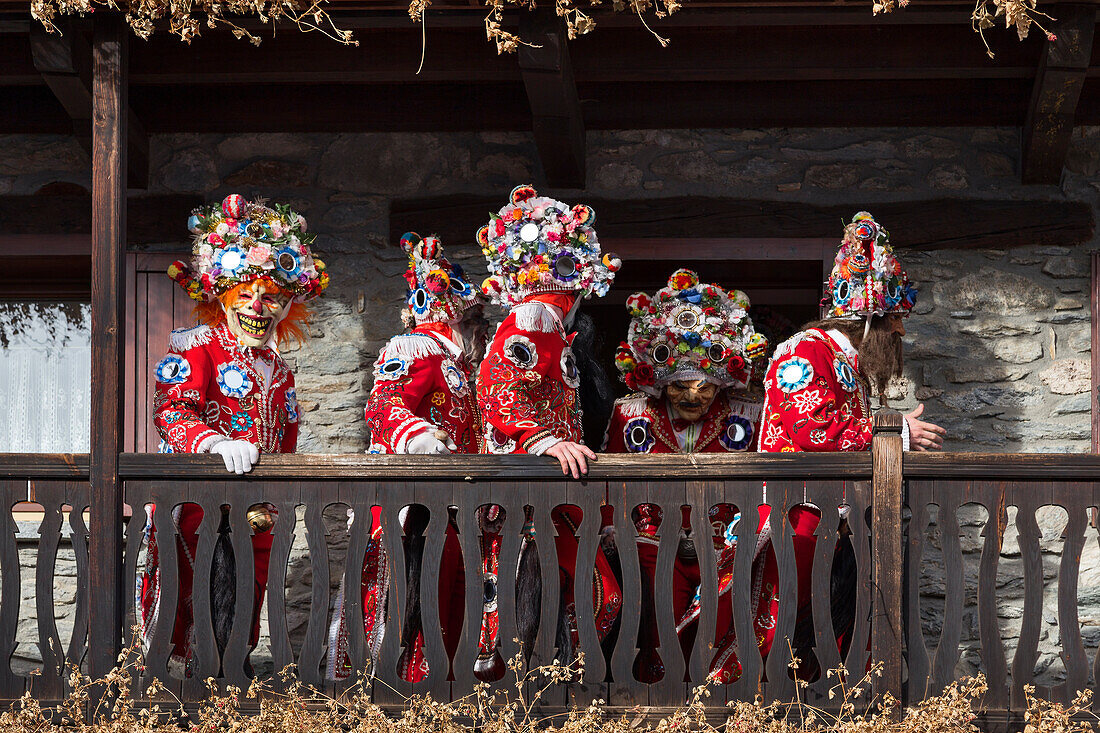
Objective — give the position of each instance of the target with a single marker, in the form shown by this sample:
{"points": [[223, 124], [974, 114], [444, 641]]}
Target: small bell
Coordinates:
{"points": [[260, 518]]}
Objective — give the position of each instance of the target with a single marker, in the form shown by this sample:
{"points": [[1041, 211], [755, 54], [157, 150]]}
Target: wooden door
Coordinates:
{"points": [[155, 306]]}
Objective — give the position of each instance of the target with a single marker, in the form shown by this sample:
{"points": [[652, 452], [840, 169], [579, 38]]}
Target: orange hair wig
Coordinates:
{"points": [[291, 328]]}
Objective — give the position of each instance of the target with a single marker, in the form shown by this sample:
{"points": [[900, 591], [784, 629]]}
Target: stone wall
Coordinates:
{"points": [[998, 348]]}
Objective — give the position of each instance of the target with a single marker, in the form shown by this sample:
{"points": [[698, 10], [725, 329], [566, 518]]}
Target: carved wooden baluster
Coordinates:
{"points": [[393, 497], [920, 497], [702, 495], [51, 495], [361, 499], [782, 496], [206, 663], [670, 496], [469, 499], [165, 496], [625, 689], [859, 501], [512, 497], [282, 654], [435, 496], [827, 496], [240, 497], [748, 501], [313, 646], [545, 497], [950, 494], [1027, 649], [993, 653], [11, 684], [588, 495], [78, 643], [1074, 497]]}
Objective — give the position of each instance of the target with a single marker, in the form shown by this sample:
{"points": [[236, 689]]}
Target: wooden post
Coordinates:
{"points": [[886, 569], [109, 52]]}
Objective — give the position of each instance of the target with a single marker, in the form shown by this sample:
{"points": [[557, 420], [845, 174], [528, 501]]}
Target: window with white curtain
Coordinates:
{"points": [[45, 365]]}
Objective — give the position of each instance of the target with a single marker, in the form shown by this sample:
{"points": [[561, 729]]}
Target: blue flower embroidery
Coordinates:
{"points": [[737, 435], [291, 405], [170, 418], [844, 374], [241, 421], [233, 381], [172, 369], [794, 374], [637, 436]]}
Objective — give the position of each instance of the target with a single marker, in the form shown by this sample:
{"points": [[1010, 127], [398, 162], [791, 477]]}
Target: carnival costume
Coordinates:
{"points": [[423, 394], [815, 397], [543, 258], [688, 331], [210, 388]]}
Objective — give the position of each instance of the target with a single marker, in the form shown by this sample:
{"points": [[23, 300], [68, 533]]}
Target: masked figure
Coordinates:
{"points": [[423, 401], [818, 394], [689, 352], [544, 258], [223, 388]]}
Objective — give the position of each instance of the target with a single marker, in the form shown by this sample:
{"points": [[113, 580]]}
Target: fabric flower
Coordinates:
{"points": [[643, 375], [437, 282], [258, 254]]}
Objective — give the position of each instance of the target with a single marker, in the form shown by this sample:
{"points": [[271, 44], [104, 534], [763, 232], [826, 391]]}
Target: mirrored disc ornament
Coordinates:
{"points": [[529, 232]]}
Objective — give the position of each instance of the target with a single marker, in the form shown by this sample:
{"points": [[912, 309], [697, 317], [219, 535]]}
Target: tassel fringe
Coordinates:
{"points": [[183, 339]]}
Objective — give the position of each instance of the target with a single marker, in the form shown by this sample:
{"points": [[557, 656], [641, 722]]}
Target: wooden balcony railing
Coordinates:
{"points": [[889, 501]]}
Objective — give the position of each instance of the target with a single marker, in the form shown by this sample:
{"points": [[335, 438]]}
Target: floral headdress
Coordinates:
{"points": [[867, 279], [241, 241], [438, 290], [689, 330], [536, 244]]}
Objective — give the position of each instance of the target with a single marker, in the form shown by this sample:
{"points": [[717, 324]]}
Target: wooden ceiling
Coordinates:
{"points": [[729, 64]]}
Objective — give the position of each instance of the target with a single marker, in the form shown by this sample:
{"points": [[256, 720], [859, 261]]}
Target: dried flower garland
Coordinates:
{"points": [[1018, 14], [186, 17]]}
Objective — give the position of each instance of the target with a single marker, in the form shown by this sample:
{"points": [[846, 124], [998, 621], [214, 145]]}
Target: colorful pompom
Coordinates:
{"points": [[612, 262], [683, 279], [409, 240], [234, 206], [583, 214], [638, 304]]}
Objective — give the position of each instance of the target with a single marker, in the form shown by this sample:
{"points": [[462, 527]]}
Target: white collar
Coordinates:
{"points": [[844, 343], [455, 349]]}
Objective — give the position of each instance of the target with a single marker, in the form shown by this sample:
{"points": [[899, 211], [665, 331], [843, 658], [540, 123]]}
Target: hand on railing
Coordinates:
{"points": [[434, 443], [239, 455], [572, 457], [923, 435]]}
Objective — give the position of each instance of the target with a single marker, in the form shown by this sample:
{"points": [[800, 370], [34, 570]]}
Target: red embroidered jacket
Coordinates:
{"points": [[421, 382], [208, 389], [527, 385], [641, 424], [814, 397]]}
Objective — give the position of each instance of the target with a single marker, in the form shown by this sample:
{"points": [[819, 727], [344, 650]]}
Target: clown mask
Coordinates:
{"points": [[690, 400], [257, 309]]}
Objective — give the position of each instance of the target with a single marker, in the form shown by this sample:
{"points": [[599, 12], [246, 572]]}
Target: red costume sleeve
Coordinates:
{"points": [[401, 383], [613, 439], [520, 385], [815, 410], [179, 401]]}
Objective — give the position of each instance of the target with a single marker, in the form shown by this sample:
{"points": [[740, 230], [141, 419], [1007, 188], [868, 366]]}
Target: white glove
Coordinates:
{"points": [[239, 455], [429, 442]]}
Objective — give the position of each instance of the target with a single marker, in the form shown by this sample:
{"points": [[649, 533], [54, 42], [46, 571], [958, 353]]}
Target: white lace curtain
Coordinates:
{"points": [[45, 363]]}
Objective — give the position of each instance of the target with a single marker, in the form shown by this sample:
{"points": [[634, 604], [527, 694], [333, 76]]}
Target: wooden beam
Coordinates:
{"points": [[552, 94], [150, 219], [887, 486], [109, 148], [65, 61], [925, 224], [1058, 85]]}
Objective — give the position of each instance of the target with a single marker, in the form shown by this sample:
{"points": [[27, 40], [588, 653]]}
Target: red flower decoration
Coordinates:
{"points": [[643, 374], [736, 365]]}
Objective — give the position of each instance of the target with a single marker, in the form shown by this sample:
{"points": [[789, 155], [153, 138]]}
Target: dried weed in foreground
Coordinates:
{"points": [[289, 705]]}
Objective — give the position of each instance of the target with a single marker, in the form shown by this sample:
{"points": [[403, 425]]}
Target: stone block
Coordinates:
{"points": [[1068, 304], [265, 174], [950, 177], [504, 169], [1067, 267], [995, 328], [617, 176], [995, 164], [834, 177], [396, 164], [691, 166], [1073, 405], [968, 372], [190, 171], [1017, 351], [21, 155], [929, 146], [355, 216], [284, 146], [1067, 376], [994, 292]]}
